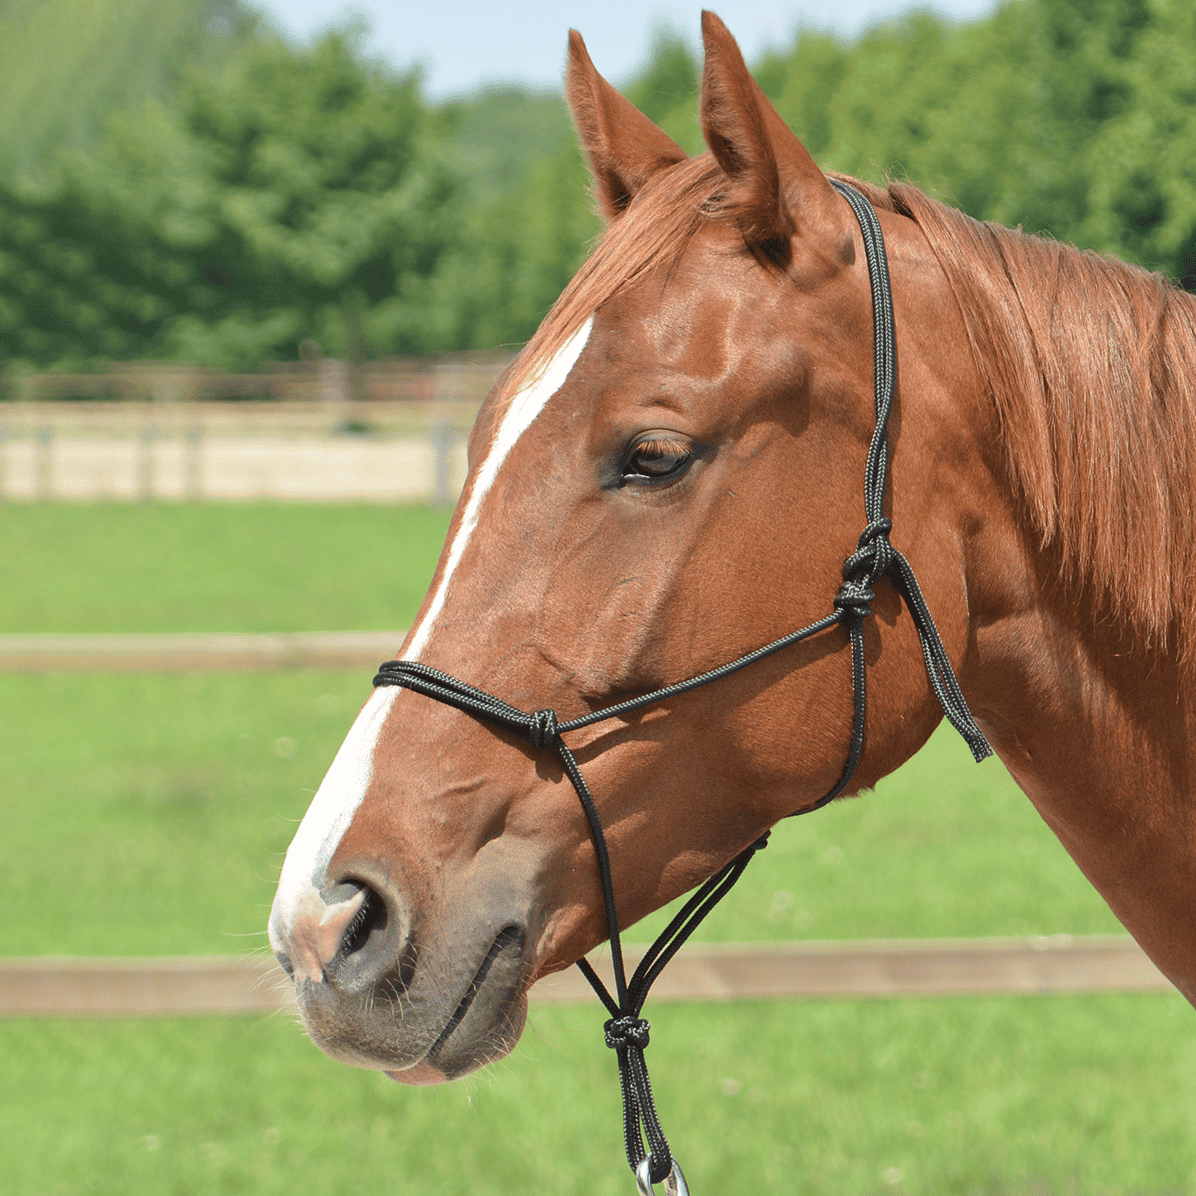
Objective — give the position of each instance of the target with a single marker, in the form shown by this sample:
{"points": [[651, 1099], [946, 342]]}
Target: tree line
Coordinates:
{"points": [[259, 201]]}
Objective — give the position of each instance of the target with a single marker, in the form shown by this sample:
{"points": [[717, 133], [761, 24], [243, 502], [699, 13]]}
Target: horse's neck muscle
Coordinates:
{"points": [[1093, 723], [1094, 726]]}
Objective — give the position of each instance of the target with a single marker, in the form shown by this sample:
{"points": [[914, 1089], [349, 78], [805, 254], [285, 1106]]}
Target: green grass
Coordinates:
{"points": [[962, 1097], [215, 566], [149, 814]]}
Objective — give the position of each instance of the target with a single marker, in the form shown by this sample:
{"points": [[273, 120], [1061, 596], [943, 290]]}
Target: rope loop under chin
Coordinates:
{"points": [[623, 1032]]}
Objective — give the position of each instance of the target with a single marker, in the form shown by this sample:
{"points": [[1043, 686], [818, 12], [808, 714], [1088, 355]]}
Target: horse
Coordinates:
{"points": [[666, 478]]}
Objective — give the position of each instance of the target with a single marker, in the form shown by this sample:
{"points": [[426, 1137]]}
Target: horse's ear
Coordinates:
{"points": [[776, 189], [624, 147]]}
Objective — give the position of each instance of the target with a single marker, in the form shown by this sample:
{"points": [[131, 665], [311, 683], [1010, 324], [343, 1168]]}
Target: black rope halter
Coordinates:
{"points": [[874, 558]]}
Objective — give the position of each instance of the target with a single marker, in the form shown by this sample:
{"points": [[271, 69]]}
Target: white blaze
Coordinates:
{"points": [[328, 816], [524, 408], [344, 787]]}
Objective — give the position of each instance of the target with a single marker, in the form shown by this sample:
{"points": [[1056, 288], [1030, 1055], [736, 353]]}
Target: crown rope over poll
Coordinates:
{"points": [[627, 1033]]}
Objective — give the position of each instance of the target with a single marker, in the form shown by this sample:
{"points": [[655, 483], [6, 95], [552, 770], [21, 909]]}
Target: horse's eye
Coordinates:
{"points": [[657, 457]]}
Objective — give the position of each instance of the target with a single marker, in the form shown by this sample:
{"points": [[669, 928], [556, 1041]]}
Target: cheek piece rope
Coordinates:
{"points": [[874, 558]]}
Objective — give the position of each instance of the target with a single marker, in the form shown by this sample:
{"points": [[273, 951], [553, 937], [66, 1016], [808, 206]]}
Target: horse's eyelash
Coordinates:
{"points": [[661, 447]]}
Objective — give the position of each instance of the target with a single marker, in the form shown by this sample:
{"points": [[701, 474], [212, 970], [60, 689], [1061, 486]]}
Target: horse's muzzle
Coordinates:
{"points": [[369, 995]]}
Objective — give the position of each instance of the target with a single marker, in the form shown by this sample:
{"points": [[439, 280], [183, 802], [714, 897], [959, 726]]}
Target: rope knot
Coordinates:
{"points": [[878, 529], [626, 1031], [870, 561], [854, 597], [542, 728], [873, 546]]}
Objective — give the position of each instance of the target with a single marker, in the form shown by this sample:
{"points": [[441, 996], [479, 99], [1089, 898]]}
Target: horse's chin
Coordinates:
{"points": [[466, 1057], [421, 1075]]}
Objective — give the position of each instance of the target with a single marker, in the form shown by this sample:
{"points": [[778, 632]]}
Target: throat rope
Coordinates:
{"points": [[627, 1033]]}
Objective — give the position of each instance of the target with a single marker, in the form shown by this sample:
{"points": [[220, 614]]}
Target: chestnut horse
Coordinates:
{"points": [[668, 477]]}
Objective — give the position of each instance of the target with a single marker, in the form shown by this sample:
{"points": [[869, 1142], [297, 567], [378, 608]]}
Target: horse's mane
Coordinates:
{"points": [[1090, 363]]}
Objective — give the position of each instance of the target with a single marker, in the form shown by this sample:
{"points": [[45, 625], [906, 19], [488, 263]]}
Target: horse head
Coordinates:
{"points": [[668, 476]]}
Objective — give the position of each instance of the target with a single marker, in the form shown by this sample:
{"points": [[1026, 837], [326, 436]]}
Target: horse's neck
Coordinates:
{"points": [[1095, 727]]}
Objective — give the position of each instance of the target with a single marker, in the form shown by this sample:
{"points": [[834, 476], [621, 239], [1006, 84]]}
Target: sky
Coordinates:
{"points": [[464, 44]]}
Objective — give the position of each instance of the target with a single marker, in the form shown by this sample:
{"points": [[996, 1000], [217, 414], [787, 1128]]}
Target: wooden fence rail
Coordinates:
{"points": [[57, 987], [447, 377], [189, 652]]}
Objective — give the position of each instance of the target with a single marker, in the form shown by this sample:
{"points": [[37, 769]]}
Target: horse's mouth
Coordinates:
{"points": [[411, 1031]]}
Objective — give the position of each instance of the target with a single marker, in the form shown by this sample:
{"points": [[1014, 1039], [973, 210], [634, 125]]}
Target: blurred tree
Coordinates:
{"points": [[290, 195], [66, 64], [517, 253], [78, 279], [314, 205], [803, 85], [496, 137], [246, 196], [526, 218], [1140, 175], [666, 89], [1069, 117]]}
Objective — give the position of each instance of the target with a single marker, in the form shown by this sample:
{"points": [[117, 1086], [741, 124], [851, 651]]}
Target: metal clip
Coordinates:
{"points": [[674, 1182]]}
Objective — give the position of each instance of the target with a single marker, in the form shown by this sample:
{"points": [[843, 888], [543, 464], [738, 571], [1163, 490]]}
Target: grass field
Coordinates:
{"points": [[1060, 1096], [215, 566], [148, 814]]}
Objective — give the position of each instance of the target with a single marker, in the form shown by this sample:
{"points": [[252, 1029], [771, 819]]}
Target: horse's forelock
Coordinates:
{"points": [[654, 231]]}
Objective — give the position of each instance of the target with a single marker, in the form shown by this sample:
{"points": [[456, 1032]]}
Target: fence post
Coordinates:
{"points": [[43, 465], [441, 435], [145, 462], [193, 462], [3, 462], [334, 389]]}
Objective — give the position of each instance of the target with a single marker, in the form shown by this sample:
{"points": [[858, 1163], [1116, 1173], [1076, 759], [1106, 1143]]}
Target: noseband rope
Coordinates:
{"points": [[874, 558]]}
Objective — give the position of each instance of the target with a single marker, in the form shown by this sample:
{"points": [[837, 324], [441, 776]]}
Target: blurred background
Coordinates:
{"points": [[183, 183], [258, 267]]}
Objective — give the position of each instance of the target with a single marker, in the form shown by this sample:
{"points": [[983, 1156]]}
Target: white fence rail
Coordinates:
{"points": [[151, 463], [389, 432], [137, 453]]}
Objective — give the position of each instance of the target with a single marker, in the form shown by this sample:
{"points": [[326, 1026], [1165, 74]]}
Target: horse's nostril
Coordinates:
{"points": [[370, 917], [348, 934]]}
